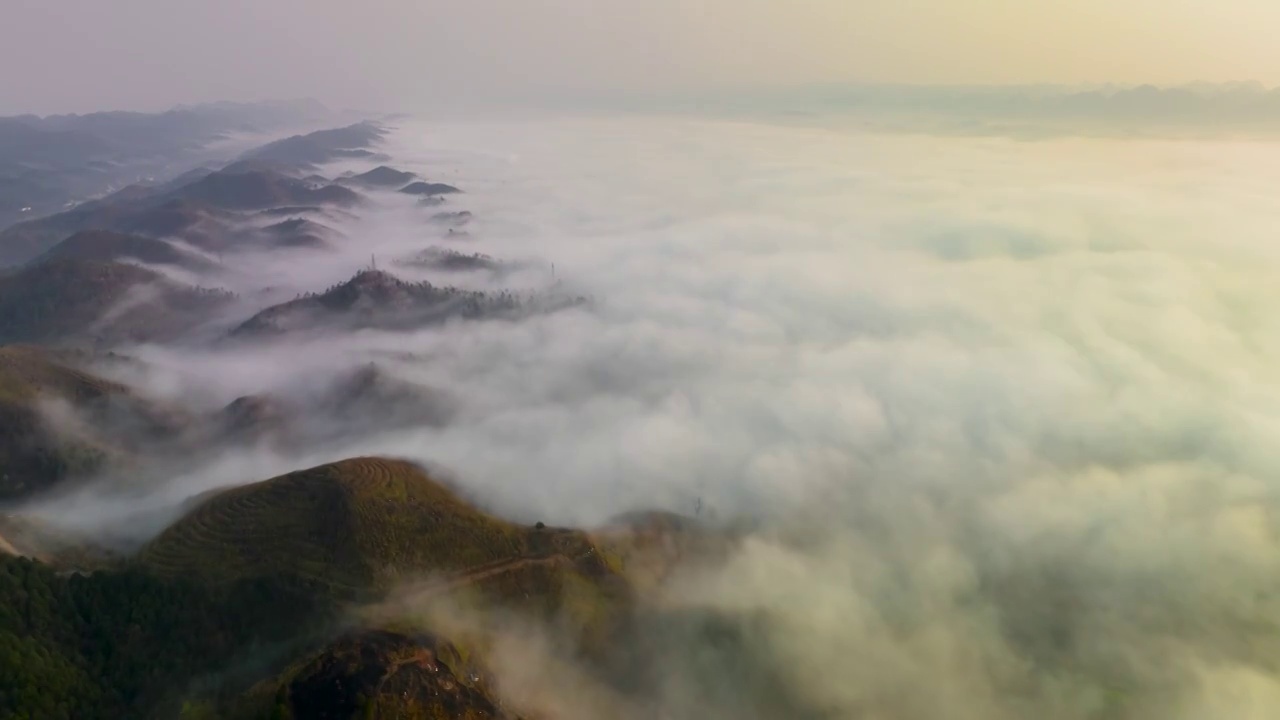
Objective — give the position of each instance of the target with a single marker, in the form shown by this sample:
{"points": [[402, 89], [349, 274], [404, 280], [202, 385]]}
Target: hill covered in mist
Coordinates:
{"points": [[696, 419], [91, 292]]}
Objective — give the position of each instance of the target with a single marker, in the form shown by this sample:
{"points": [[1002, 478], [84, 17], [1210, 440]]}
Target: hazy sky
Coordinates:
{"points": [[75, 55]]}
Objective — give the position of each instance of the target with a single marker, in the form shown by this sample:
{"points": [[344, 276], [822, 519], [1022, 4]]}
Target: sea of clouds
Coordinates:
{"points": [[1007, 412]]}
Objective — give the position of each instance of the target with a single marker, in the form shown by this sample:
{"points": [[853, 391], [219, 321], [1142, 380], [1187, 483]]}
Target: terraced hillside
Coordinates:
{"points": [[387, 535], [359, 523], [364, 526]]}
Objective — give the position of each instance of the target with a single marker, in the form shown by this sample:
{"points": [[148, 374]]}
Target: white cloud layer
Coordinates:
{"points": [[1008, 409]]}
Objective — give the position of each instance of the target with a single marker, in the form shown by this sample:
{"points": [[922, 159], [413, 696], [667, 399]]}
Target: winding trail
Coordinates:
{"points": [[479, 573]]}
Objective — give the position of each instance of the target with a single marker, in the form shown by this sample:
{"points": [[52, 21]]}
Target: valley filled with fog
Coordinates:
{"points": [[991, 418]]}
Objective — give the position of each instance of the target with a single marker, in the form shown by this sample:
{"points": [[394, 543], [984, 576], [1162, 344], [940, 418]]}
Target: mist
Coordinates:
{"points": [[1002, 411]]}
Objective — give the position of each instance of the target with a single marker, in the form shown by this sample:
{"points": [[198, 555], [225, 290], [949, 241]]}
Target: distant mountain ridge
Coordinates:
{"points": [[171, 209], [304, 152], [46, 162]]}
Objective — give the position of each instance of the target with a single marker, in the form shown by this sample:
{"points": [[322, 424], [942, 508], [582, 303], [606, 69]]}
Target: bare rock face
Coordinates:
{"points": [[385, 674]]}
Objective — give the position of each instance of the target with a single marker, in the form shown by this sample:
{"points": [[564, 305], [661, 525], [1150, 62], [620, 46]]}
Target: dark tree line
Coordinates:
{"points": [[124, 644]]}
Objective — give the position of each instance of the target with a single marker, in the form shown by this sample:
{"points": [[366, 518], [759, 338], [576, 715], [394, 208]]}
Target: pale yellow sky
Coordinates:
{"points": [[83, 54], [1000, 41]]}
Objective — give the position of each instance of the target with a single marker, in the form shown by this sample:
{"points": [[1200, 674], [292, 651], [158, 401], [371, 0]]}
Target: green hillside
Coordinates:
{"points": [[125, 644], [327, 592], [356, 524], [363, 524], [360, 528]]}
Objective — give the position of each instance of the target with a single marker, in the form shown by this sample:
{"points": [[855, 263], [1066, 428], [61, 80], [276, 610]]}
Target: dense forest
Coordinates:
{"points": [[124, 644]]}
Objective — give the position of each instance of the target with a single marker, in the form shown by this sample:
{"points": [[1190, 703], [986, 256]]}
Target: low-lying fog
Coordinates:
{"points": [[1007, 410]]}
